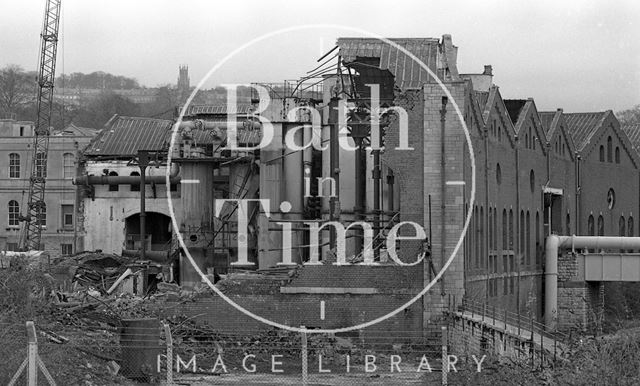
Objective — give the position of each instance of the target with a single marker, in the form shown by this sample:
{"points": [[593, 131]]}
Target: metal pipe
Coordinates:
{"points": [[143, 160], [518, 251], [122, 180], [555, 243], [443, 191]]}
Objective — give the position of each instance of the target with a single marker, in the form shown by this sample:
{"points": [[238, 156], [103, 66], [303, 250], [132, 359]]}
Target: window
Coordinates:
{"points": [[68, 161], [600, 226], [14, 165], [532, 181], [135, 187], [43, 216], [14, 213], [511, 229], [113, 187], [66, 249], [601, 153], [498, 174], [505, 234], [490, 213], [495, 228], [538, 246], [521, 243], [609, 150], [630, 227], [611, 198], [12, 247], [568, 225], [591, 226], [617, 155], [528, 237], [622, 231], [41, 165], [67, 216]]}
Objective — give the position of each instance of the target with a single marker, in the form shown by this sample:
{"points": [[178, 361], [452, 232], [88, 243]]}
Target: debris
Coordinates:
{"points": [[124, 275], [113, 368]]}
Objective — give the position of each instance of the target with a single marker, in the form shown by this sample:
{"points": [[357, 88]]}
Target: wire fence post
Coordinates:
{"points": [[304, 355], [32, 355], [445, 357], [169, 339], [32, 362]]}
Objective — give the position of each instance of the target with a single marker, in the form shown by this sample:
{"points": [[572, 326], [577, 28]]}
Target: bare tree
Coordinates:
{"points": [[16, 88]]}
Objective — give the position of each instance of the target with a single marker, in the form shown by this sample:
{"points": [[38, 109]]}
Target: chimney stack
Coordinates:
{"points": [[488, 70]]}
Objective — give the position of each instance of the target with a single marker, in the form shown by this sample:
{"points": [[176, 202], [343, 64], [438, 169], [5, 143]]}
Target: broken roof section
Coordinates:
{"points": [[514, 107], [439, 57], [582, 126], [122, 137]]}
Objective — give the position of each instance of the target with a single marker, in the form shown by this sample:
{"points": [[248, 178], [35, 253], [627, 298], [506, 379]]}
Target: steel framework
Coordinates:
{"points": [[32, 230]]}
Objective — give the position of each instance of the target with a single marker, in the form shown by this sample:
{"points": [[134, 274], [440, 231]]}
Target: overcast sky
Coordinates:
{"points": [[581, 56]]}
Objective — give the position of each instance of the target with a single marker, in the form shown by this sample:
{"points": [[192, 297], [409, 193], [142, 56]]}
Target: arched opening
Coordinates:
{"points": [[601, 153], [158, 231], [609, 149], [591, 226], [617, 155], [135, 187], [600, 226], [113, 187]]}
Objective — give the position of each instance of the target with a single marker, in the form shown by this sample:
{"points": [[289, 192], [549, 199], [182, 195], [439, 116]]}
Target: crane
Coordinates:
{"points": [[32, 231]]}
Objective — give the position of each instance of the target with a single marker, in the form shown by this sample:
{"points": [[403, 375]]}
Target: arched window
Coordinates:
{"points": [[591, 226], [601, 153], [630, 226], [609, 150], [505, 231], [532, 181], [495, 228], [481, 238], [14, 165], [498, 174], [538, 245], [526, 140], [14, 213], [476, 230], [568, 225], [41, 165], [521, 246], [511, 229], [600, 226], [490, 215], [113, 187], [68, 160], [622, 229], [135, 187], [528, 238], [617, 155]]}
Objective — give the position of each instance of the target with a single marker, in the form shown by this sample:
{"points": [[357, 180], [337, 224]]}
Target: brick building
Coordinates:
{"points": [[536, 173]]}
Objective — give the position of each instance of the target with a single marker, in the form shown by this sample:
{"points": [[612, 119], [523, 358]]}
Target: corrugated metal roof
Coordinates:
{"points": [[582, 126], [408, 73], [633, 132], [218, 109], [124, 136]]}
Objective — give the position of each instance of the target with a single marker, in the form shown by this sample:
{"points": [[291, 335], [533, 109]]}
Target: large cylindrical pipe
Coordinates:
{"points": [[121, 180], [555, 243], [551, 282], [174, 178]]}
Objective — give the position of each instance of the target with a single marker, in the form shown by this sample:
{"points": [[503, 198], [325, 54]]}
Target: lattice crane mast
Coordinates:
{"points": [[32, 231]]}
